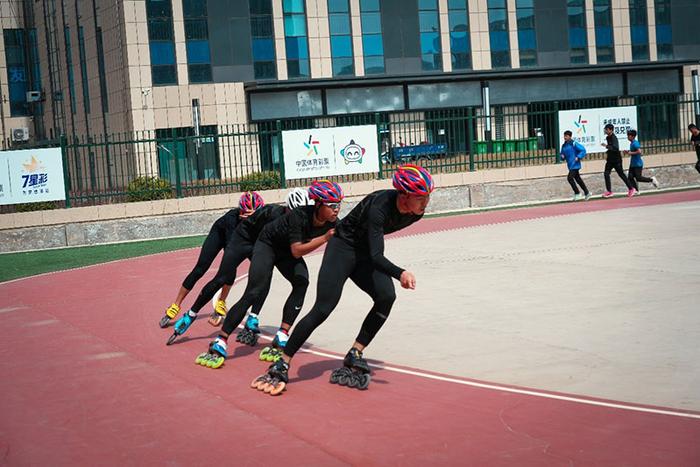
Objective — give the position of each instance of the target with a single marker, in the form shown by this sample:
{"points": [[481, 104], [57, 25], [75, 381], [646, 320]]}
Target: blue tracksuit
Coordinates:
{"points": [[570, 151], [636, 159]]}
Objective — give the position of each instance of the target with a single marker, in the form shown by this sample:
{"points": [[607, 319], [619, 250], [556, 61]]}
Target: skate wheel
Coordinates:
{"points": [[164, 321], [263, 354], [215, 361], [215, 319], [201, 358], [171, 339], [364, 381], [277, 388], [257, 382], [353, 381]]}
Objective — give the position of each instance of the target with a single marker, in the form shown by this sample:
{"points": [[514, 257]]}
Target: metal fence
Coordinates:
{"points": [[219, 159]]}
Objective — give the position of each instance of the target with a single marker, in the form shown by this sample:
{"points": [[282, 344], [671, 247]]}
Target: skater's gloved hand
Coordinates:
{"points": [[408, 280]]}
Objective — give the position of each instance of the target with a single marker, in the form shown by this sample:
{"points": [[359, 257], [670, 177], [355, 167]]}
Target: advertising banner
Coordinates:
{"points": [[323, 152], [31, 175], [587, 125]]}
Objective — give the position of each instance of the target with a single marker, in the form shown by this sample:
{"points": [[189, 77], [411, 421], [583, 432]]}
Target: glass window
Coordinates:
{"points": [[498, 34], [338, 6], [263, 39], [372, 45], [460, 49], [69, 70], [101, 69], [372, 40], [431, 48], [295, 39], [343, 66], [295, 25], [339, 24], [198, 52], [374, 65], [428, 21], [83, 70], [293, 6], [17, 72], [371, 23], [578, 41], [527, 39], [161, 40], [369, 5], [341, 46], [296, 47], [664, 33]]}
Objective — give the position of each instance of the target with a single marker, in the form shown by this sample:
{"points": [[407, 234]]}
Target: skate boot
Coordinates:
{"points": [[218, 315], [216, 355], [249, 334], [275, 380], [170, 313], [273, 352], [354, 373], [181, 326]]}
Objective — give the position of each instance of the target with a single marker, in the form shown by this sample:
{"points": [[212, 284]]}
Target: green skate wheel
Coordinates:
{"points": [[263, 354], [215, 361], [201, 358]]}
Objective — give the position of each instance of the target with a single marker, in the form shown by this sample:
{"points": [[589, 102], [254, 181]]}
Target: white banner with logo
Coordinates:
{"points": [[323, 152], [587, 125], [31, 175]]}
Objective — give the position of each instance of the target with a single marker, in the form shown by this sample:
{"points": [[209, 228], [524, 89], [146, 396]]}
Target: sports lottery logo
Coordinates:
{"points": [[580, 126], [311, 146]]}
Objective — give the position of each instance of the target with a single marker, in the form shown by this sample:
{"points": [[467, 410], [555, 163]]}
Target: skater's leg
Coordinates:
{"points": [[214, 243], [579, 180], [297, 273], [259, 277], [570, 179], [337, 265], [606, 174], [639, 177], [380, 287], [632, 177], [621, 173], [697, 166], [234, 254]]}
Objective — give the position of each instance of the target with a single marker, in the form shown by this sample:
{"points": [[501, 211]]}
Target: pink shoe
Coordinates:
{"points": [[631, 192], [608, 194]]}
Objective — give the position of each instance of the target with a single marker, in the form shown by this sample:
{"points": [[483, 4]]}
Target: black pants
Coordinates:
{"points": [[215, 242], [697, 164], [264, 260], [617, 165], [340, 262], [573, 178], [237, 250], [635, 175]]}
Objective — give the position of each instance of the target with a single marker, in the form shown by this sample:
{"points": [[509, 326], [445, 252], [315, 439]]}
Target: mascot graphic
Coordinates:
{"points": [[353, 152]]}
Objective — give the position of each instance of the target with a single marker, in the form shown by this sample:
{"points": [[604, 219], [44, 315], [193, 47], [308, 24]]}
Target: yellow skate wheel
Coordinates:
{"points": [[172, 311], [201, 358], [215, 361]]}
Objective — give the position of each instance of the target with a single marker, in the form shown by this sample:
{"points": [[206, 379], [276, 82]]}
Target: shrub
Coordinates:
{"points": [[40, 206], [255, 181], [148, 188]]}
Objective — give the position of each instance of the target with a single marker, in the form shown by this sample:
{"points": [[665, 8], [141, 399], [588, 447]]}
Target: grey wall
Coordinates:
{"points": [[229, 40], [685, 23], [401, 36], [552, 31]]}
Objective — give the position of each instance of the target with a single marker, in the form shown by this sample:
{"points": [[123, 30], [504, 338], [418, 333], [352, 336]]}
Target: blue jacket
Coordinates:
{"points": [[570, 151], [636, 159]]}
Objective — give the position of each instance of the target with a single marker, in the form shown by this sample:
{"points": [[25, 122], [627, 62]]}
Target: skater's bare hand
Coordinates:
{"points": [[408, 280], [329, 234]]}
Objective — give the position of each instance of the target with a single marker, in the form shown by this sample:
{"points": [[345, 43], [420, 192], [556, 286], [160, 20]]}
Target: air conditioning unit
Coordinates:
{"points": [[20, 134], [33, 96]]}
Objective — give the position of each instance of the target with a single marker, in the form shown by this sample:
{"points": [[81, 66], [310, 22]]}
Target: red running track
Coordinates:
{"points": [[87, 379]]}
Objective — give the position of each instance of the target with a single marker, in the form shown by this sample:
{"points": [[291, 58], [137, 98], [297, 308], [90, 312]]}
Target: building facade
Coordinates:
{"points": [[171, 68]]}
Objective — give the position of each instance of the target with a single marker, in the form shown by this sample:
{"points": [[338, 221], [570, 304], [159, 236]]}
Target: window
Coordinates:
{"points": [[101, 67], [341, 37], [69, 68], [17, 73], [639, 30], [197, 41], [664, 36], [161, 42], [460, 49], [498, 34], [372, 41], [295, 40], [602, 14], [527, 40], [263, 39], [83, 70], [578, 41], [428, 20]]}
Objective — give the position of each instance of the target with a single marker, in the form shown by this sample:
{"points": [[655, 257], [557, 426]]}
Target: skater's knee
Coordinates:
{"points": [[300, 282], [385, 298]]}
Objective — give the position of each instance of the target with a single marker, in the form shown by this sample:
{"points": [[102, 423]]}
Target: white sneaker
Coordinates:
{"points": [[655, 182], [577, 197], [587, 197]]}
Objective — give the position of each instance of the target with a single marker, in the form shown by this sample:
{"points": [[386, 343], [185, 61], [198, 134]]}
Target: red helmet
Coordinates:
{"points": [[326, 191], [250, 201], [413, 180]]}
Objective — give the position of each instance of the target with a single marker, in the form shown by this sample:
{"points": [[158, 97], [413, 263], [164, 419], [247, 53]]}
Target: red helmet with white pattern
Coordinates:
{"points": [[413, 180], [250, 201]]}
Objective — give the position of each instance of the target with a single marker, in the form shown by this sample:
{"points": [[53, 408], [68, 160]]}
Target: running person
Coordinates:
{"points": [[572, 152], [219, 236], [695, 141], [239, 248], [637, 163], [357, 252], [614, 161], [282, 243]]}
